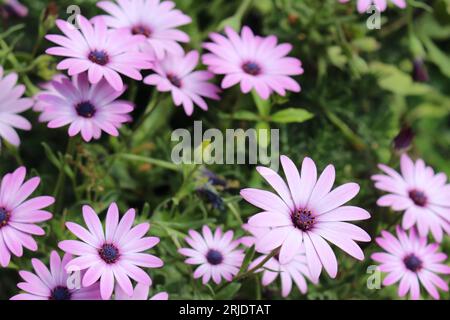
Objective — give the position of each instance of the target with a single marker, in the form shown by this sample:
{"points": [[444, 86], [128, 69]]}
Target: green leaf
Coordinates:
{"points": [[291, 115], [247, 260], [246, 115], [228, 292]]}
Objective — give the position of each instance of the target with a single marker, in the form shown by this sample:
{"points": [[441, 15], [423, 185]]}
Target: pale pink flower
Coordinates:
{"points": [[215, 253], [422, 194], [254, 62], [156, 20], [18, 216], [140, 292], [176, 74], [411, 261], [306, 213], [381, 5], [102, 52], [12, 103], [113, 256], [53, 284], [87, 109]]}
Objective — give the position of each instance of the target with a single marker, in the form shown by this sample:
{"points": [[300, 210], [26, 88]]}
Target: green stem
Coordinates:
{"points": [[148, 111], [58, 193], [156, 162]]}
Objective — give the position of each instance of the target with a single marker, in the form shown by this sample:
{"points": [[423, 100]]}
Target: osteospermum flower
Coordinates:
{"points": [[411, 261], [113, 256], [103, 53], [296, 271], [11, 104], [422, 194], [305, 213], [53, 284], [381, 5], [156, 20], [254, 62], [88, 109], [175, 74], [215, 253], [140, 293], [18, 216]]}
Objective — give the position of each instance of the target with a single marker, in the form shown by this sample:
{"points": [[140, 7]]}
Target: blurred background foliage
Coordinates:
{"points": [[361, 88]]}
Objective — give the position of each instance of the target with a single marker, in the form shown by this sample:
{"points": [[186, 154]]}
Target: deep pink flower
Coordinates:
{"points": [[381, 5], [215, 253], [175, 73], [101, 52], [156, 20], [422, 194], [140, 293], [410, 260], [305, 213], [89, 109], [19, 215], [254, 62], [114, 255], [53, 284], [11, 104]]}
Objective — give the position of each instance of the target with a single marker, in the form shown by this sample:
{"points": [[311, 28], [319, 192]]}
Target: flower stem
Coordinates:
{"points": [[58, 193], [148, 111]]}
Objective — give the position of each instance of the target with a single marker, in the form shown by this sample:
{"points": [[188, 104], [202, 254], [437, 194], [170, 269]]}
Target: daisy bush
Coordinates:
{"points": [[353, 204]]}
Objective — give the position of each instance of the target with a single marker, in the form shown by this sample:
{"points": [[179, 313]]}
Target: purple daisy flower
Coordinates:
{"points": [[53, 284], [254, 62], [101, 52], [216, 254], [140, 293], [18, 216], [305, 213], [156, 20], [175, 73], [422, 194], [89, 109], [410, 260], [381, 5], [114, 255], [11, 104]]}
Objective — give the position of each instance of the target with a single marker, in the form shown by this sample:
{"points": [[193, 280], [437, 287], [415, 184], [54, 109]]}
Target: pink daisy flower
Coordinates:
{"points": [[254, 62], [422, 194], [411, 261], [140, 293], [296, 271], [101, 52], [306, 213], [156, 20], [175, 74], [381, 5], [53, 284], [88, 109], [215, 253], [11, 104], [114, 255], [18, 216]]}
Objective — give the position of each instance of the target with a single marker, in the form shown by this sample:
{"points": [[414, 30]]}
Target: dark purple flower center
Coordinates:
{"points": [[251, 68], [174, 80], [4, 217], [85, 109], [418, 197], [109, 253], [141, 30], [214, 257], [60, 293], [99, 57], [303, 219], [413, 263]]}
